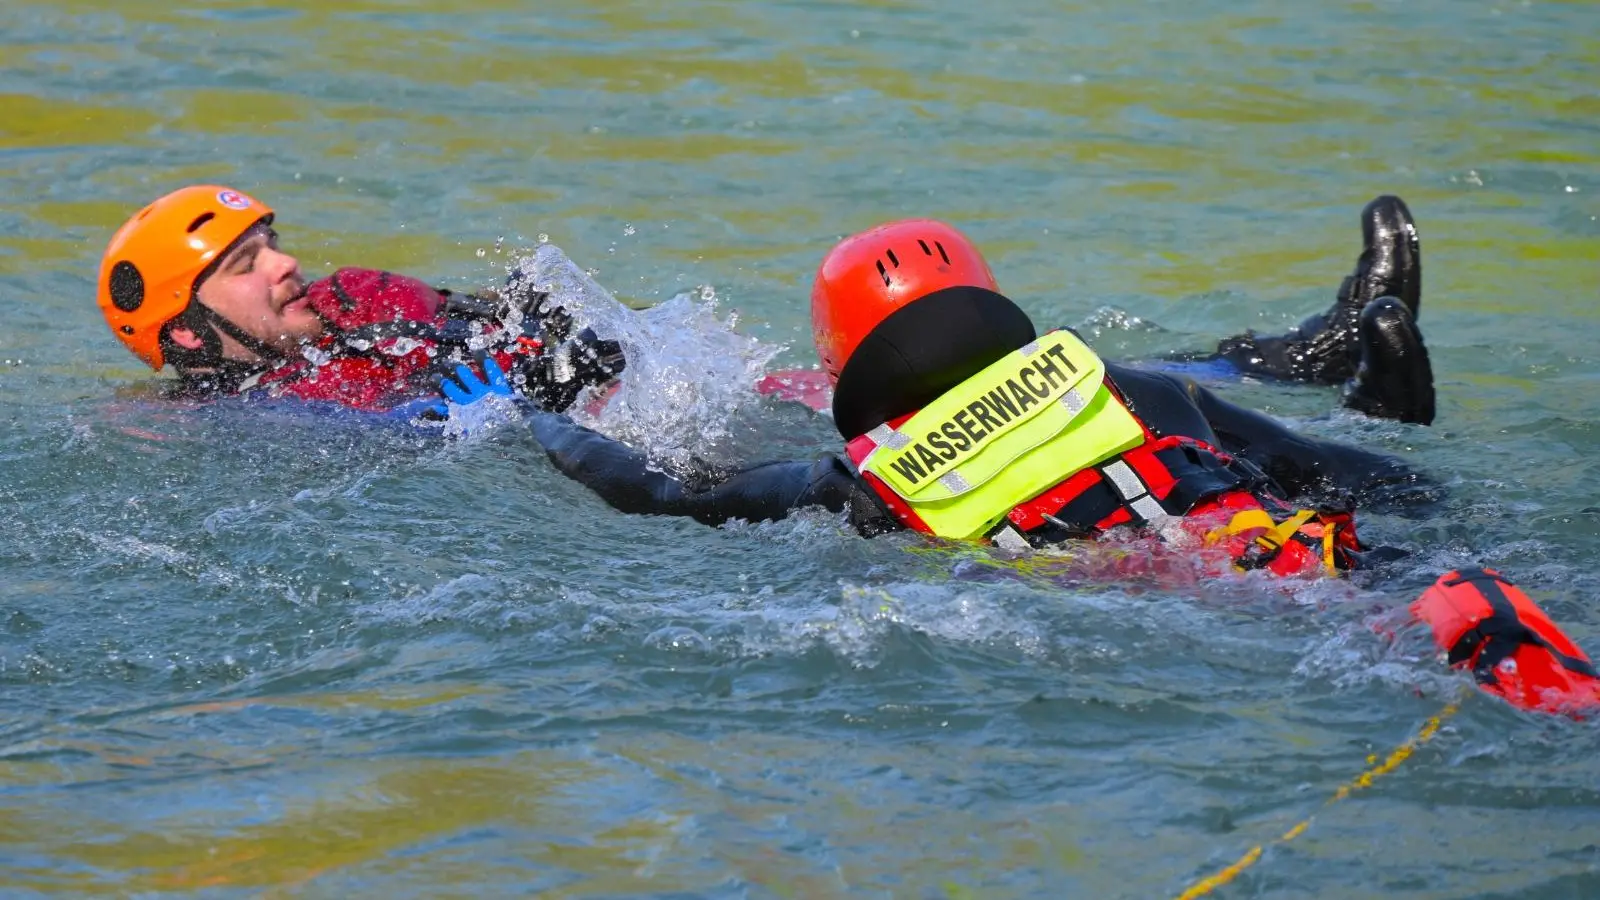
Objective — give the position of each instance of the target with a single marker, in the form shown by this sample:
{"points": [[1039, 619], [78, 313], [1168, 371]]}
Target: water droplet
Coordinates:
{"points": [[628, 229], [482, 253], [708, 293], [1572, 189], [544, 238]]}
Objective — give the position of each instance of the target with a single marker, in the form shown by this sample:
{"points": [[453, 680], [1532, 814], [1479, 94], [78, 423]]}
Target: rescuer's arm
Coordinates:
{"points": [[622, 476]]}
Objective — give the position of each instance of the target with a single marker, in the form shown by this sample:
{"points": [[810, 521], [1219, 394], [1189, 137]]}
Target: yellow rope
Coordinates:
{"points": [[1364, 780]]}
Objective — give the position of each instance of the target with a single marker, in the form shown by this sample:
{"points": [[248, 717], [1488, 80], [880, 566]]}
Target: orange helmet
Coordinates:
{"points": [[156, 260], [867, 276]]}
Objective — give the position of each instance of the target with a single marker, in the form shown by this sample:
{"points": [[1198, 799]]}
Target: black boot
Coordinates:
{"points": [[1394, 379], [1324, 348]]}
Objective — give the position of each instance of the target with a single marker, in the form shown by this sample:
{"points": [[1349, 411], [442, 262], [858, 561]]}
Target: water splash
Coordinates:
{"points": [[1111, 318], [688, 370], [473, 420]]}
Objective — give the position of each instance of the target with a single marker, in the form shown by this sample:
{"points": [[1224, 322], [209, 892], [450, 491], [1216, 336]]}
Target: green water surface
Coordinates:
{"points": [[254, 653]]}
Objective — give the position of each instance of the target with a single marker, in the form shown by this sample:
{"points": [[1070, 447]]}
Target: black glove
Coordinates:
{"points": [[562, 369], [555, 374]]}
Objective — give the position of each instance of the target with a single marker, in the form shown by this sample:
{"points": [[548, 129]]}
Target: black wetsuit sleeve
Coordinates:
{"points": [[622, 476]]}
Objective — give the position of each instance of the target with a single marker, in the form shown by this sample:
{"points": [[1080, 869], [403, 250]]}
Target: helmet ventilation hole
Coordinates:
{"points": [[884, 273], [126, 287], [942, 255], [200, 220]]}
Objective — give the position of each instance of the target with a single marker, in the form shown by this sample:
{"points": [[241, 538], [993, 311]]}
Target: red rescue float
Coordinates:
{"points": [[1488, 625]]}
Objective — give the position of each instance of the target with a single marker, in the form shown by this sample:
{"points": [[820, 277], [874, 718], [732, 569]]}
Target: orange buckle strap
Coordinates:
{"points": [[1274, 535]]}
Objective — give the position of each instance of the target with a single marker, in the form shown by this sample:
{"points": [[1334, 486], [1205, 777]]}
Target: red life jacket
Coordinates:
{"points": [[1209, 493], [382, 343]]}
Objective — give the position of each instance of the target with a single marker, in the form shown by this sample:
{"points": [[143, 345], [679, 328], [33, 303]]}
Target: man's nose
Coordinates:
{"points": [[283, 265]]}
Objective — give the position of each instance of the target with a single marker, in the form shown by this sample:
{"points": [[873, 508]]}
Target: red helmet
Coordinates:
{"points": [[869, 275]]}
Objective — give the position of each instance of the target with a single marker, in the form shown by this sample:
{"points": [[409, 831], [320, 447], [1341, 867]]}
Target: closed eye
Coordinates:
{"points": [[243, 259]]}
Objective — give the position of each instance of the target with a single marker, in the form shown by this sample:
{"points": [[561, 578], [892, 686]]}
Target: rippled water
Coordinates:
{"points": [[250, 651]]}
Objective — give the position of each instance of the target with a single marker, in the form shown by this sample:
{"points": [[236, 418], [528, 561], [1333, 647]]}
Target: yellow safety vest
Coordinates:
{"points": [[1022, 425]]}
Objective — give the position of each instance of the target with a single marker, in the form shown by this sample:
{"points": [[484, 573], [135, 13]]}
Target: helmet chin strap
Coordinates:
{"points": [[249, 341]]}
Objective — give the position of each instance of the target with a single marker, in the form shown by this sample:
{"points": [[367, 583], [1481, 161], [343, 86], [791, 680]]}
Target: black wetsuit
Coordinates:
{"points": [[1300, 467], [929, 346]]}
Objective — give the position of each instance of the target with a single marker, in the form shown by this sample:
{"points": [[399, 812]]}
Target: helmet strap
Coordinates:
{"points": [[208, 325], [225, 377], [206, 356], [249, 341]]}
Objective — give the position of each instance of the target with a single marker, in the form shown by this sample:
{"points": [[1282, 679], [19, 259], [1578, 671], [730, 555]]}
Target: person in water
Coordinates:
{"points": [[960, 420], [198, 280]]}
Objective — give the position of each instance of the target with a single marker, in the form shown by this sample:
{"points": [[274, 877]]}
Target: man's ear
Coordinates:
{"points": [[185, 338]]}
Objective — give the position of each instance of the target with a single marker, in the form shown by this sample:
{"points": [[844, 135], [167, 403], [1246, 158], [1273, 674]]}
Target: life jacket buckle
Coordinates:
{"points": [[1257, 556]]}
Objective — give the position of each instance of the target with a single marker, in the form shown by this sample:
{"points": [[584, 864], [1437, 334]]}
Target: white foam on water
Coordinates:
{"points": [[688, 369], [483, 599], [1112, 318], [474, 420]]}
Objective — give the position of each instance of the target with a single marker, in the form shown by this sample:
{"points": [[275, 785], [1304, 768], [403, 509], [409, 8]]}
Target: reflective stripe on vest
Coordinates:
{"points": [[1172, 474], [1004, 436]]}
